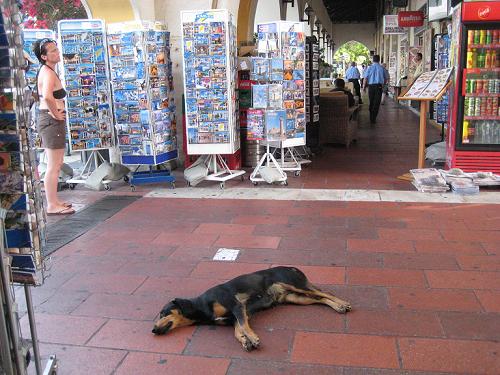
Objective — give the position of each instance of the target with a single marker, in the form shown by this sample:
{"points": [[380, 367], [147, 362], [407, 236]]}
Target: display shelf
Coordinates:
{"points": [[481, 117], [481, 70], [486, 46], [483, 95]]}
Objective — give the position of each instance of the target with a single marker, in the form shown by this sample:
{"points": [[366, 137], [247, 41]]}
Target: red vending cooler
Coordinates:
{"points": [[473, 141]]}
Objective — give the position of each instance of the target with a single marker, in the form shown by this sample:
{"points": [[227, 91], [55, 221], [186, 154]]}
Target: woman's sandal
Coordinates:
{"points": [[64, 211]]}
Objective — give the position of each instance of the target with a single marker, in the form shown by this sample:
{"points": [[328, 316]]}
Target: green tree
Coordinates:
{"points": [[352, 51]]}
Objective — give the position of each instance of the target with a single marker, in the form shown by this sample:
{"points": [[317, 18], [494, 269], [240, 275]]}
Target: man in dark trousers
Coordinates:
{"points": [[352, 75], [375, 79]]}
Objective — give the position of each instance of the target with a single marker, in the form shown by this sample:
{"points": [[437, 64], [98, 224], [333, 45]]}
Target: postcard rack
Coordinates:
{"points": [[143, 100], [22, 218], [86, 79], [210, 76]]}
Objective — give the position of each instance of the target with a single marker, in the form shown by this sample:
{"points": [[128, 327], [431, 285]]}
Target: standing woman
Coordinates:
{"points": [[51, 121]]}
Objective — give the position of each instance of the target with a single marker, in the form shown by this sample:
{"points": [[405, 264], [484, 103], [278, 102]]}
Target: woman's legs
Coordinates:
{"points": [[54, 163]]}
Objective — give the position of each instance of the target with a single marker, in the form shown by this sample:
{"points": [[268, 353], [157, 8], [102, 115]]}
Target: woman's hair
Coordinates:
{"points": [[40, 48]]}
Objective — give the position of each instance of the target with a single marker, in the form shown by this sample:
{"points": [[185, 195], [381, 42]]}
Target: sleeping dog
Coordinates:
{"points": [[233, 302]]}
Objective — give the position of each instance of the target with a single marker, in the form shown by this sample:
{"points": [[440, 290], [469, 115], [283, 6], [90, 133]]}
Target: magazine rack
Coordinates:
{"points": [[210, 76], [430, 86]]}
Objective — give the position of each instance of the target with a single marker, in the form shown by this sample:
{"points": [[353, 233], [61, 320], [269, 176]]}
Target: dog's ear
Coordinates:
{"points": [[184, 305]]}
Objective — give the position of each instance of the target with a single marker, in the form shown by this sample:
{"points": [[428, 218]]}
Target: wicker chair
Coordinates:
{"points": [[338, 122]]}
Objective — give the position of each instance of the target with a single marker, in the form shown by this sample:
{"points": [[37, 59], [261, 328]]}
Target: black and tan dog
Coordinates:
{"points": [[233, 302]]}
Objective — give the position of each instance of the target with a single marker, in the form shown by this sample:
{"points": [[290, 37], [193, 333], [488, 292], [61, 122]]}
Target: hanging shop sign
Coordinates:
{"points": [[410, 19], [391, 25]]}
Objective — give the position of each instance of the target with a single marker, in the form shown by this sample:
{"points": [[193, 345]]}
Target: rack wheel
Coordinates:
{"points": [[242, 177], [172, 185], [126, 178], [107, 187], [222, 185], [255, 183], [284, 183], [132, 187], [72, 186], [296, 173], [188, 183]]}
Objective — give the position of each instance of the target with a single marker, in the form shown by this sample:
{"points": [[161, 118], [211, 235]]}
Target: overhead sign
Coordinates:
{"points": [[391, 25], [481, 11], [410, 19]]}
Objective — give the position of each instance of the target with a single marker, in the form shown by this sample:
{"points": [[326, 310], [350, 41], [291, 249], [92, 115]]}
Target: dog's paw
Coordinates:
{"points": [[255, 341], [247, 344]]}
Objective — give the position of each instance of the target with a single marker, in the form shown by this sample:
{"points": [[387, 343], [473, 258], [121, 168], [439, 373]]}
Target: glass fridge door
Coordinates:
{"points": [[480, 125]]}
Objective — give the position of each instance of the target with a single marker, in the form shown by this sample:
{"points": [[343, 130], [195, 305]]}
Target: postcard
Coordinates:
{"points": [[260, 69], [275, 93], [275, 125], [260, 96], [255, 124]]}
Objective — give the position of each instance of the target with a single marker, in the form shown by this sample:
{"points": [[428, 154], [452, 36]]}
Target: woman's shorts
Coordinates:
{"points": [[51, 131]]}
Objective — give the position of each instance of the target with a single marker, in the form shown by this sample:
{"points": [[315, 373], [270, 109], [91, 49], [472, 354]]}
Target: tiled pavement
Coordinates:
{"points": [[423, 279]]}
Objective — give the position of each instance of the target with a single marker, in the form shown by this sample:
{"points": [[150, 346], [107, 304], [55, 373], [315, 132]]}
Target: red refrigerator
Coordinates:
{"points": [[473, 139]]}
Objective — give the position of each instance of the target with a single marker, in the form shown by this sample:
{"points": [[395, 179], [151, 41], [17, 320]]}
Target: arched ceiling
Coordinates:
{"points": [[351, 11]]}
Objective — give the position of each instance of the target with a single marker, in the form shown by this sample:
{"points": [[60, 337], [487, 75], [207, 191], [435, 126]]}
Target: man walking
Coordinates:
{"points": [[352, 75], [375, 78]]}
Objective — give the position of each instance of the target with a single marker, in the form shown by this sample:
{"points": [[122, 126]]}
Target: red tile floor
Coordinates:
{"points": [[423, 280]]}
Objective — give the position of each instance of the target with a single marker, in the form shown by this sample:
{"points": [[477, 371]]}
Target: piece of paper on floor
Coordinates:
{"points": [[226, 254]]}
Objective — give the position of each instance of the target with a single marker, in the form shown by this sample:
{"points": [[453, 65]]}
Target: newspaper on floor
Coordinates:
{"points": [[478, 178], [428, 180]]}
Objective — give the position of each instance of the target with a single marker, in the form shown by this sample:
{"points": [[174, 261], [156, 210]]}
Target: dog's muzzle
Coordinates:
{"points": [[158, 330]]}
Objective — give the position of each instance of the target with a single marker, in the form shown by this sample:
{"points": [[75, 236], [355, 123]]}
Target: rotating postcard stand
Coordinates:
{"points": [[267, 125], [143, 98], [281, 46], [86, 79], [210, 76]]}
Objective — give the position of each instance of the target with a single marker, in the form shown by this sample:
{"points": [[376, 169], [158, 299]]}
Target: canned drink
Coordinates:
{"points": [[491, 86], [470, 37], [497, 86], [476, 36], [482, 37], [479, 86], [482, 109], [489, 107], [496, 34], [471, 109], [477, 107]]}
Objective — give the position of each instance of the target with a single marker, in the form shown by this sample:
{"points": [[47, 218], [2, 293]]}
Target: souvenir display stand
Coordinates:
{"points": [[210, 76], [86, 79], [429, 86], [142, 84], [280, 70], [22, 218]]}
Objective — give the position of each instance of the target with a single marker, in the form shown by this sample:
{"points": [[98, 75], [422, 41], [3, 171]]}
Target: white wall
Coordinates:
{"points": [[360, 32]]}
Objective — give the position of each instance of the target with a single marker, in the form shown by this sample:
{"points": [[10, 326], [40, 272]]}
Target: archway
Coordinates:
{"points": [[111, 10], [348, 52]]}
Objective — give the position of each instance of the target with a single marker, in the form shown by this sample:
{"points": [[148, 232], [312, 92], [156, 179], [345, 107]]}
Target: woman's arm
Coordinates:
{"points": [[49, 82]]}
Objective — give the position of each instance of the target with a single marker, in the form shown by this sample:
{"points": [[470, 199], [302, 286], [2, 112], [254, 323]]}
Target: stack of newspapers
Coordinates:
{"points": [[429, 180]]}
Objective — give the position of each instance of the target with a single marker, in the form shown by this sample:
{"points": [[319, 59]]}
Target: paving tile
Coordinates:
{"points": [[225, 270], [260, 219], [219, 228], [219, 341], [137, 336], [186, 287], [492, 248], [248, 241], [385, 277], [104, 283], [380, 246], [63, 329], [479, 262], [186, 239], [471, 326], [319, 318], [433, 299], [344, 350], [476, 235], [489, 299], [85, 264], [463, 279], [120, 306], [421, 261], [289, 230], [193, 254], [323, 275], [459, 248], [151, 363], [394, 323], [157, 267], [360, 297], [409, 234], [80, 360], [249, 367], [326, 244], [455, 356], [296, 258]]}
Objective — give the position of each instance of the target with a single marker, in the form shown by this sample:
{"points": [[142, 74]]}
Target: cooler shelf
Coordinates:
{"points": [[482, 118]]}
